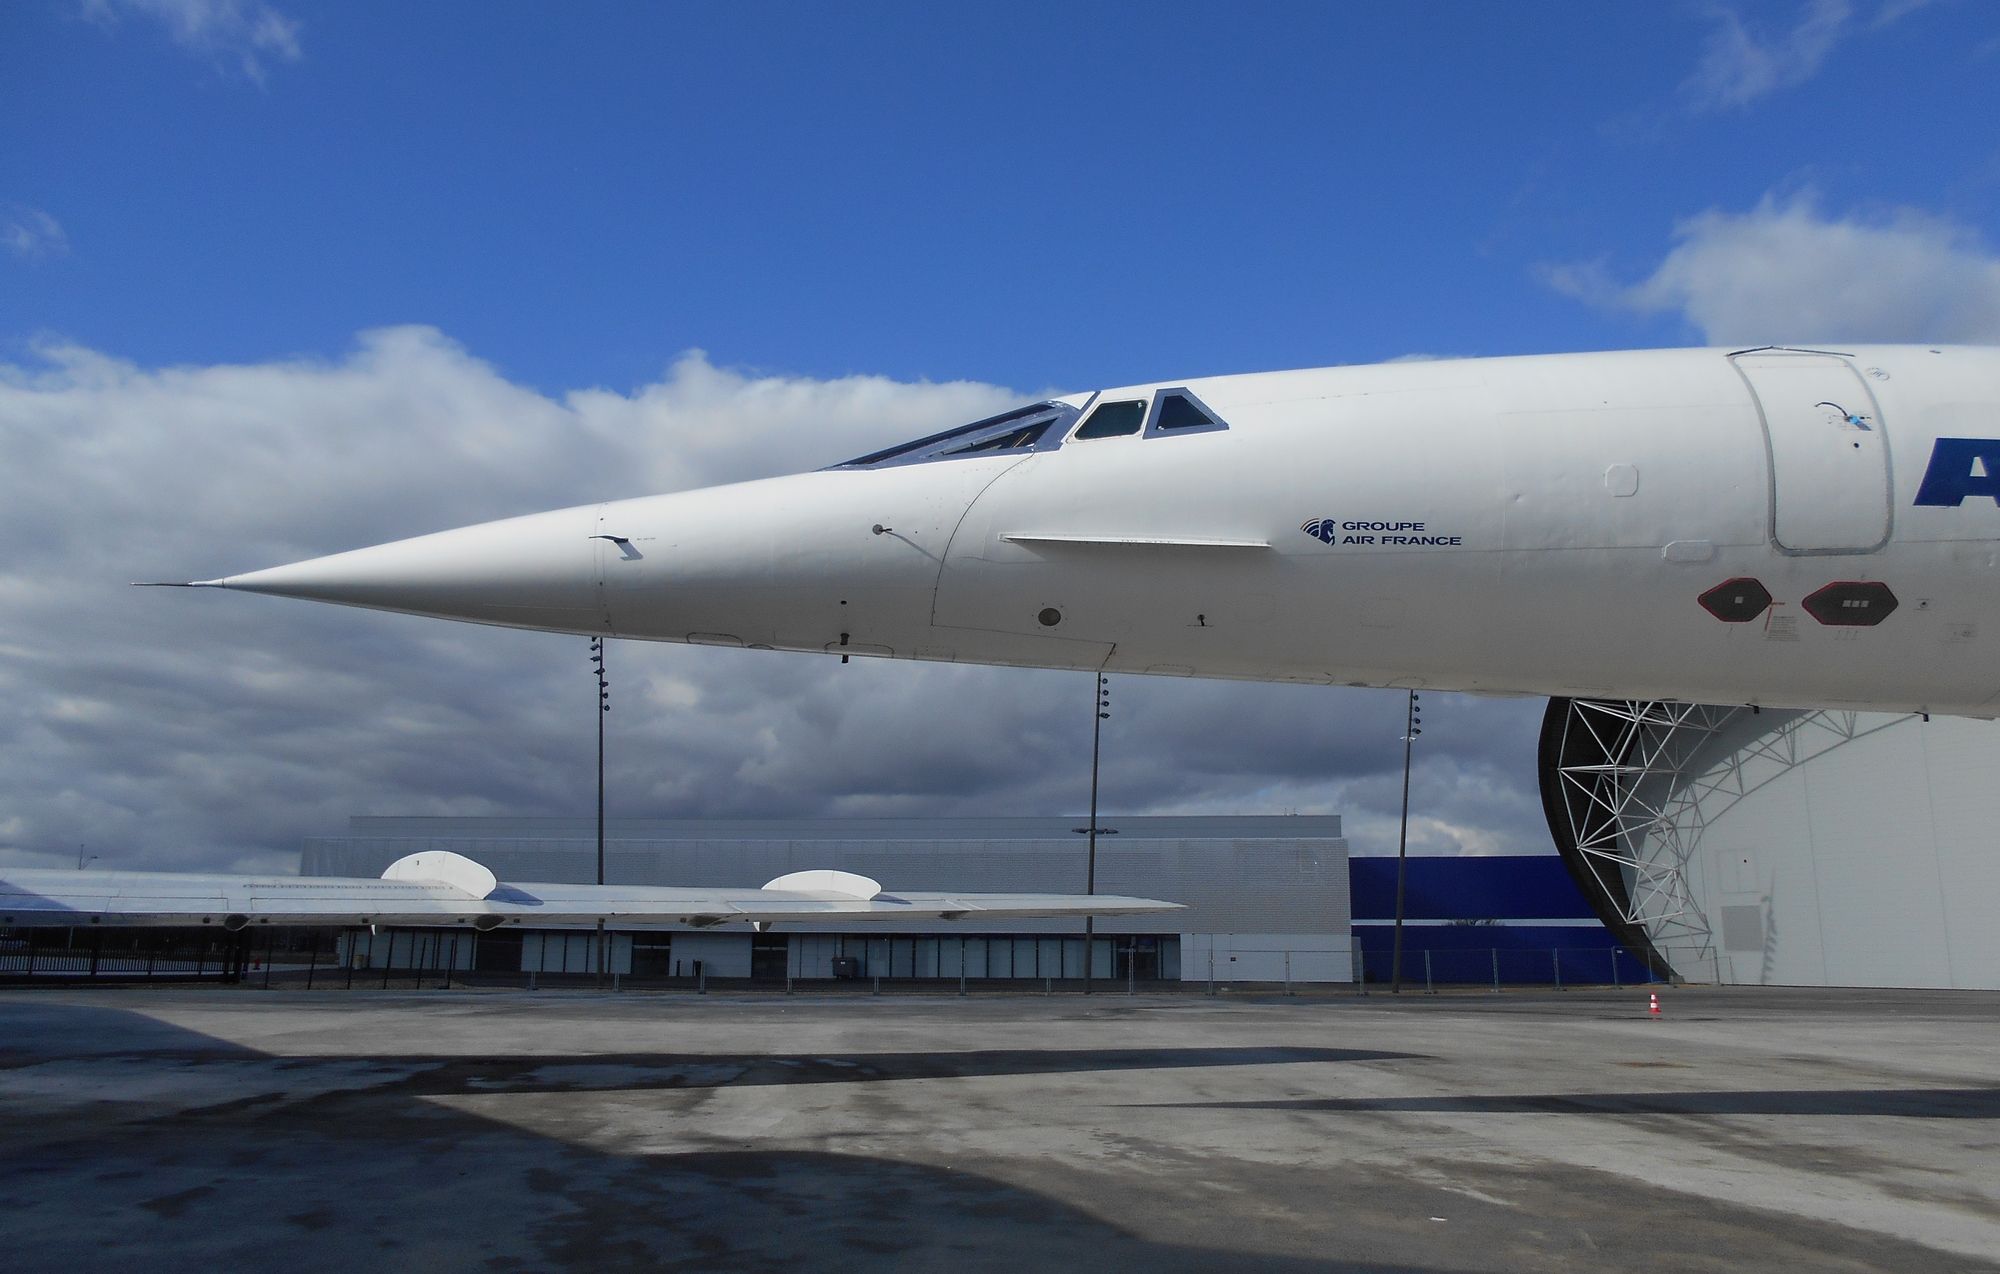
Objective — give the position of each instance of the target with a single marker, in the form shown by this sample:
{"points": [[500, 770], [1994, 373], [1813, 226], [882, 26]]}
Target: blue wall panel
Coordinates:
{"points": [[1500, 906], [1519, 887]]}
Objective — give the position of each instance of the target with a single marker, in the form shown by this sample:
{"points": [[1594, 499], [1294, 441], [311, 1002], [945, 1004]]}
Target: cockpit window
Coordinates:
{"points": [[1039, 427], [1178, 411], [1013, 440], [1112, 420]]}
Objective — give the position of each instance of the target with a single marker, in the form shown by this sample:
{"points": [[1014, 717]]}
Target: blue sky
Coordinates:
{"points": [[1031, 195], [279, 279]]}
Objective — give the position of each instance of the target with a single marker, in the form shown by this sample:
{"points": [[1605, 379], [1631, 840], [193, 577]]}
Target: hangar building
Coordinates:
{"points": [[1787, 847], [1267, 896]]}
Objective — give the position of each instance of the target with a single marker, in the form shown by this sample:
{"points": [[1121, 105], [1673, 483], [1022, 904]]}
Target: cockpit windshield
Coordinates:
{"points": [[1039, 427]]}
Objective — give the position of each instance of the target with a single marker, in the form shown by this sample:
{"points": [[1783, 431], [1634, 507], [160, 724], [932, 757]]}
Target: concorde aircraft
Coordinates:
{"points": [[1771, 526], [1780, 527]]}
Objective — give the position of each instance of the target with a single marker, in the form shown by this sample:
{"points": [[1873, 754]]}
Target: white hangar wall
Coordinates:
{"points": [[1871, 863], [1784, 848]]}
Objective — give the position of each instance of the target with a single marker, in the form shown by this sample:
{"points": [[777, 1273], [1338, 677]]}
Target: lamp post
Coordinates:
{"points": [[1100, 713], [1412, 727], [603, 707], [82, 860]]}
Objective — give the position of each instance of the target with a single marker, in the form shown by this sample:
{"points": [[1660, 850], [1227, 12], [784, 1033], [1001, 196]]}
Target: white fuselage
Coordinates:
{"points": [[1583, 525]]}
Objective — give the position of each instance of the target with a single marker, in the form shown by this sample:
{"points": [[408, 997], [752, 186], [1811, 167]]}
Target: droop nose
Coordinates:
{"points": [[538, 571]]}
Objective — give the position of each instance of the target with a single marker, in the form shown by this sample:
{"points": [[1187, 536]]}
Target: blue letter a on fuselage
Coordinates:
{"points": [[1951, 477]]}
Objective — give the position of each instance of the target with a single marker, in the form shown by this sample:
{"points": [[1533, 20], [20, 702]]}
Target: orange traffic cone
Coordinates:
{"points": [[1653, 1003]]}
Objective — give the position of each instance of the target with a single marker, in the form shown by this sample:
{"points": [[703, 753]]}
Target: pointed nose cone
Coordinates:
{"points": [[532, 572]]}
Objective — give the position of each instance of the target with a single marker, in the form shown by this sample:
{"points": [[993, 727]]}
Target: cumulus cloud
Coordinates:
{"points": [[172, 729], [30, 233], [1787, 271], [243, 35], [1747, 57]]}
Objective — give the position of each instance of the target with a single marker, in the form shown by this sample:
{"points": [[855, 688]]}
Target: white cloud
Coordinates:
{"points": [[30, 233], [1785, 271], [1740, 65], [1893, 11], [166, 728], [1744, 60], [240, 34]]}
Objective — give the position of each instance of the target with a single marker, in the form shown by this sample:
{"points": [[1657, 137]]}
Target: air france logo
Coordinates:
{"points": [[1959, 468], [1367, 531]]}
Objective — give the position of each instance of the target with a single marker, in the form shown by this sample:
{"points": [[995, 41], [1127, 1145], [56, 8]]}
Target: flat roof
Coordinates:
{"points": [[1147, 827]]}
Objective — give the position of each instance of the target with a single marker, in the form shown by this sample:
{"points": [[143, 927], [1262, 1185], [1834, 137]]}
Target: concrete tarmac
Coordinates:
{"points": [[498, 1131]]}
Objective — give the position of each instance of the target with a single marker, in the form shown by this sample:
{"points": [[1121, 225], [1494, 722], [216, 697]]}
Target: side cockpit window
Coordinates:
{"points": [[1179, 411], [1043, 426], [1017, 439], [1035, 428], [1112, 420]]}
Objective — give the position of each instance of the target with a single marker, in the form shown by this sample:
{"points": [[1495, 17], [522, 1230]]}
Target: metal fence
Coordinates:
{"points": [[134, 955], [419, 959], [126, 966], [1431, 968], [45, 966], [319, 959]]}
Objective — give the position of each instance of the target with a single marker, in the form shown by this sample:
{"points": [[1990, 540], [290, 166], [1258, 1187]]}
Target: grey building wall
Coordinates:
{"points": [[1282, 874]]}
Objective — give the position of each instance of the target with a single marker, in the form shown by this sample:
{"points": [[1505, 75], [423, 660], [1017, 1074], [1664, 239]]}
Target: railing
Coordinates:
{"points": [[309, 960], [1428, 969], [130, 955], [72, 963]]}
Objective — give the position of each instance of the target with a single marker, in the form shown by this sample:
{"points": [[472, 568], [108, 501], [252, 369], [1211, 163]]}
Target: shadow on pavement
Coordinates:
{"points": [[167, 1149], [603, 1072], [1909, 1103]]}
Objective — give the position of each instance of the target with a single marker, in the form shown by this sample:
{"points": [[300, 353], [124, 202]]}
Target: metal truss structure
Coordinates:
{"points": [[1630, 786]]}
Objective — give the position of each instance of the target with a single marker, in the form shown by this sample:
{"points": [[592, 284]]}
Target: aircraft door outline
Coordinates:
{"points": [[1831, 485]]}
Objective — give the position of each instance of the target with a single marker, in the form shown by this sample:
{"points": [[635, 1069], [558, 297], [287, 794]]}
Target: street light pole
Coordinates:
{"points": [[69, 939], [603, 707], [1411, 729], [1100, 705]]}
